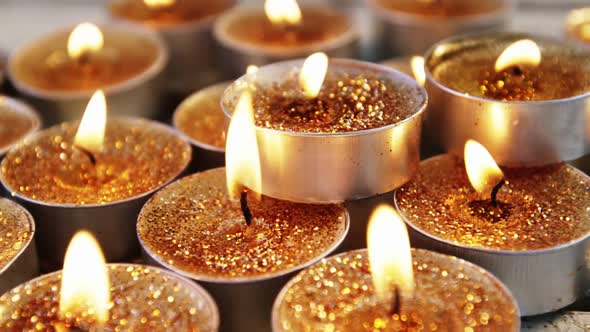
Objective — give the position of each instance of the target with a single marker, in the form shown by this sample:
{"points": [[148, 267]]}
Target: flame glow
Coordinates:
{"points": [[85, 286], [390, 256], [283, 11], [312, 74], [251, 69], [242, 163], [85, 38], [522, 52], [482, 170], [156, 4], [417, 63], [90, 134]]}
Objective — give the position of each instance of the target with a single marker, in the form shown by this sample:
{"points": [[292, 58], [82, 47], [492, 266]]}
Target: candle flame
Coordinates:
{"points": [[85, 285], [251, 69], [482, 170], [312, 75], [283, 11], [156, 4], [86, 37], [522, 52], [390, 256], [90, 134], [242, 163], [417, 63], [580, 18]]}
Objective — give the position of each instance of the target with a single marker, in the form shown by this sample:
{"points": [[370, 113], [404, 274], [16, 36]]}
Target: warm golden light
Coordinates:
{"points": [[312, 75], [522, 52], [85, 286], [482, 170], [85, 38], [156, 4], [390, 256], [242, 163], [417, 63], [90, 134], [282, 11], [251, 69]]}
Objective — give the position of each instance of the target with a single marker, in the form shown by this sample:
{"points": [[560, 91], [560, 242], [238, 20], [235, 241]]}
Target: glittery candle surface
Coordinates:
{"points": [[538, 208], [138, 157], [317, 26], [562, 72], [180, 12], [142, 299], [14, 125], [45, 65], [337, 294], [443, 8], [193, 226], [15, 230], [200, 117]]}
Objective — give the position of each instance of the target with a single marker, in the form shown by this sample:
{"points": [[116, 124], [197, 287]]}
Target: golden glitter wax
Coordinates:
{"points": [[181, 12], [138, 157], [443, 8], [200, 117], [538, 208], [349, 101], [143, 299], [45, 64], [193, 226], [14, 125], [15, 230], [451, 295]]}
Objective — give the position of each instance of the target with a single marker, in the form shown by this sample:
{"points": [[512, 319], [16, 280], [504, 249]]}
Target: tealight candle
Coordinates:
{"points": [[411, 27], [533, 229], [186, 27], [202, 121], [17, 121], [353, 127], [281, 32], [18, 257], [89, 295], [521, 96], [390, 287], [59, 72], [578, 25], [71, 177]]}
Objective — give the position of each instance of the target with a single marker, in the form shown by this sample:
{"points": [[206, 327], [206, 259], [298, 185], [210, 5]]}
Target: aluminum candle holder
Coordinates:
{"points": [[407, 33], [335, 167], [24, 265], [135, 96], [238, 55], [516, 133], [23, 110]]}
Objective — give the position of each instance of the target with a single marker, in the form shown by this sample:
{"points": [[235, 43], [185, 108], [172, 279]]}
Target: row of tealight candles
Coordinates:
{"points": [[304, 133]]}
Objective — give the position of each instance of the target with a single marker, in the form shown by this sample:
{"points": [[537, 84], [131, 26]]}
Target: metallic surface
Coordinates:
{"points": [[515, 133], [407, 34], [237, 55], [137, 96], [246, 304], [542, 281], [334, 167], [24, 266], [19, 107]]}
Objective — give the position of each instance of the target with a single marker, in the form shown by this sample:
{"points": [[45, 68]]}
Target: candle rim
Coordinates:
{"points": [[21, 108], [24, 246], [505, 35], [163, 128], [505, 252], [396, 75], [148, 74], [275, 319]]}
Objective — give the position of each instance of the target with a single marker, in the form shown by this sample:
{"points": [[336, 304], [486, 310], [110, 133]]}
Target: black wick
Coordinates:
{"points": [[88, 154], [397, 301], [495, 192], [244, 205]]}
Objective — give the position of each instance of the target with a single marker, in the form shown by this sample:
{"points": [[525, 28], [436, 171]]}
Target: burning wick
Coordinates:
{"points": [[244, 205], [88, 154], [89, 138], [397, 301], [495, 192]]}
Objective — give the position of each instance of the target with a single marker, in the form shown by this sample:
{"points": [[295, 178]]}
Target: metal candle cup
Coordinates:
{"points": [[238, 54], [193, 229], [200, 119], [516, 133], [134, 96], [143, 298], [17, 121], [111, 220], [527, 271], [19, 261], [193, 53], [334, 167], [407, 33]]}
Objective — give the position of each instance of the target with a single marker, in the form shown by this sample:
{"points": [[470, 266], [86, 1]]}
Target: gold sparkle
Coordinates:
{"points": [[15, 230]]}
